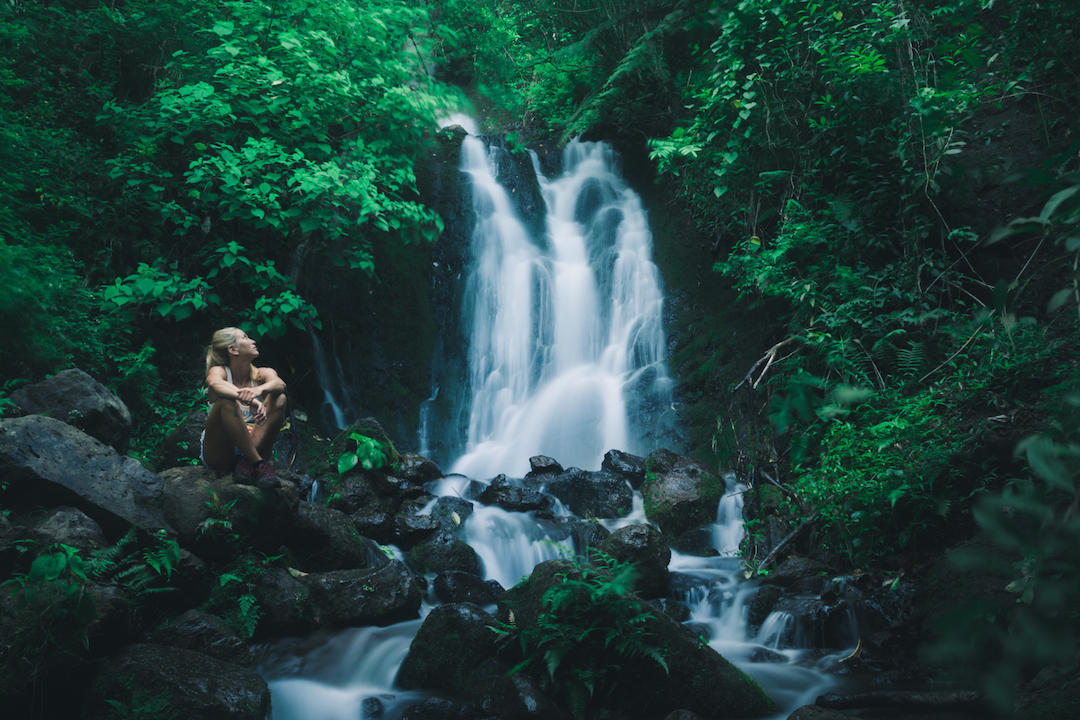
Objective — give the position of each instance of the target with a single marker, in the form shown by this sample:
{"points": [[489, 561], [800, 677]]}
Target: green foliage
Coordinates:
{"points": [[233, 599], [587, 635], [369, 454]]}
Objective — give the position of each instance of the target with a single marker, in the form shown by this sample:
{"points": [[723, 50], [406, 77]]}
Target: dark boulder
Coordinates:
{"points": [[373, 524], [285, 605], [81, 401], [543, 465], [451, 512], [680, 493], [794, 569], [629, 467], [48, 463], [644, 547], [183, 446], [366, 597], [410, 530], [324, 540], [418, 469], [454, 586], [517, 697], [177, 683], [677, 611], [453, 641], [441, 709], [762, 603], [584, 533], [592, 494], [69, 526], [815, 712], [818, 623], [444, 551], [358, 491], [204, 633], [513, 498]]}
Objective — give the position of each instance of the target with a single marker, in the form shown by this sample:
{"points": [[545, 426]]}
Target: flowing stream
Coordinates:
{"points": [[567, 350]]}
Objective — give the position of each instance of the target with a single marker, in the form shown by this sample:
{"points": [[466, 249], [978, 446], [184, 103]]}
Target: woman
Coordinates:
{"points": [[247, 408]]}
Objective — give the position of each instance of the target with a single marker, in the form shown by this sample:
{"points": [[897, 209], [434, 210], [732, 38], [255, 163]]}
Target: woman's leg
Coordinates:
{"points": [[264, 435], [226, 431]]}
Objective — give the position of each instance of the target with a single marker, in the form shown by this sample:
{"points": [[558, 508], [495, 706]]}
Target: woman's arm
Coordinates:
{"points": [[271, 384]]}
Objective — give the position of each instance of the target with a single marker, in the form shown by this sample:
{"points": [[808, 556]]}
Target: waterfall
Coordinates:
{"points": [[564, 327]]}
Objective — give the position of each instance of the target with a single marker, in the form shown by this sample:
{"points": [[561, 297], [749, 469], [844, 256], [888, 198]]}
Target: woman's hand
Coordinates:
{"points": [[247, 395], [258, 412]]}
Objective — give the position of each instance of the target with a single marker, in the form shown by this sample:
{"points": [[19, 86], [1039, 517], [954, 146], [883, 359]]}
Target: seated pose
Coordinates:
{"points": [[247, 408]]}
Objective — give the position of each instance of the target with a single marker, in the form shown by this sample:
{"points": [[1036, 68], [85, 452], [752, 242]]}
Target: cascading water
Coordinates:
{"points": [[564, 327], [566, 336]]}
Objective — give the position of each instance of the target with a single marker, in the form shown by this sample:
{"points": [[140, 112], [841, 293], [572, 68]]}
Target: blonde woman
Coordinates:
{"points": [[247, 408]]}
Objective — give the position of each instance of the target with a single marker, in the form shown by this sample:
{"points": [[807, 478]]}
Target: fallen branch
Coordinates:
{"points": [[768, 358], [903, 699], [783, 546]]}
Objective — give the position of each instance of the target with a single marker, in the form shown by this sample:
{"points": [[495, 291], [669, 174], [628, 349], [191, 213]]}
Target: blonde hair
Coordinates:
{"points": [[218, 352]]}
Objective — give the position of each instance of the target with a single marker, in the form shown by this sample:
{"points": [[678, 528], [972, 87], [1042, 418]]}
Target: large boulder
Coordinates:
{"points": [[204, 633], [680, 492], [630, 467], [452, 643], [81, 401], [162, 681], [285, 603], [698, 679], [444, 551], [504, 494], [325, 540], [69, 526], [454, 586], [48, 463], [592, 494], [207, 508], [418, 469], [644, 547], [366, 597], [796, 570]]}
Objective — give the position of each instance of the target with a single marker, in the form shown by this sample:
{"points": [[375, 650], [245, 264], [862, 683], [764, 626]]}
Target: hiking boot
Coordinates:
{"points": [[265, 475], [244, 473]]}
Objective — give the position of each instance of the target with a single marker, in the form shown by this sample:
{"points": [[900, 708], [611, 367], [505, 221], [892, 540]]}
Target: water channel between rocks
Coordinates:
{"points": [[566, 360]]}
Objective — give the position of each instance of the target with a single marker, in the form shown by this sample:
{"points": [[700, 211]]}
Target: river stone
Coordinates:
{"points": [[762, 603], [794, 569], [366, 597], [444, 551], [285, 605], [410, 530], [543, 465], [681, 493], [70, 526], [441, 709], [698, 679], [518, 697], [644, 547], [196, 497], [454, 586], [48, 463], [418, 469], [373, 524], [183, 446], [583, 533], [446, 507], [630, 467], [205, 633], [592, 494], [187, 684], [513, 498], [81, 401], [452, 642], [325, 540]]}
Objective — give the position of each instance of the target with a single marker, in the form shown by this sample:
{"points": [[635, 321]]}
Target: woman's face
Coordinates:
{"points": [[245, 347]]}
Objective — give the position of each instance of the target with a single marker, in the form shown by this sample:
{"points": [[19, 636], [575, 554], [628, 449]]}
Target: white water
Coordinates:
{"points": [[562, 326]]}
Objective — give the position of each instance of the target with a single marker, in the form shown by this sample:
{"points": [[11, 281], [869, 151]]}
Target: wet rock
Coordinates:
{"points": [[630, 467], [373, 524], [410, 530], [207, 508], [513, 498], [818, 623], [643, 546], [366, 597], [115, 625], [699, 679], [359, 491], [696, 542], [584, 533], [285, 604], [440, 709], [762, 603], [681, 493], [454, 586], [452, 642], [418, 469], [682, 715], [543, 465], [518, 697], [69, 526], [326, 540], [813, 712], [765, 655], [681, 585], [82, 402], [48, 463], [446, 508], [794, 569], [592, 495], [181, 683], [674, 609], [444, 551], [183, 446], [202, 632]]}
